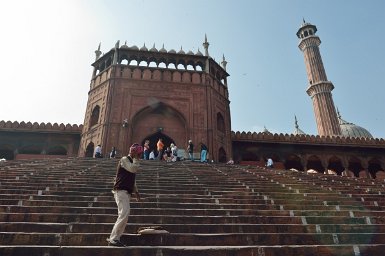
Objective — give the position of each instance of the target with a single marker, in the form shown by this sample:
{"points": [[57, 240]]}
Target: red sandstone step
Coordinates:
{"points": [[305, 250], [172, 239], [76, 227]]}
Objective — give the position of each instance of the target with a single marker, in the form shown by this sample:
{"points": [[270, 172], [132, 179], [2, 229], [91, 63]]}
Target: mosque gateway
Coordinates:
{"points": [[146, 93]]}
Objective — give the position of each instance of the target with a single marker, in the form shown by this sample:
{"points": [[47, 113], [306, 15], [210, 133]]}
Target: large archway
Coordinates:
{"points": [[160, 121]]}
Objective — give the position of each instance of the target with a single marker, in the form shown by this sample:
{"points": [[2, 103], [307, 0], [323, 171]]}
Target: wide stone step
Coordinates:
{"points": [[172, 239], [192, 228], [305, 250], [186, 211], [177, 219]]}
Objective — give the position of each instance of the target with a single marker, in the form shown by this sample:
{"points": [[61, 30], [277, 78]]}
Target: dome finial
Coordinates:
{"points": [[297, 130]]}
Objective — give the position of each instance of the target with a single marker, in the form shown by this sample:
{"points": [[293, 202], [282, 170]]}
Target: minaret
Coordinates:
{"points": [[319, 88], [206, 46]]}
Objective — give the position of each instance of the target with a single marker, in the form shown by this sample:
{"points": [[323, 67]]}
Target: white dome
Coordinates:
{"points": [[352, 130]]}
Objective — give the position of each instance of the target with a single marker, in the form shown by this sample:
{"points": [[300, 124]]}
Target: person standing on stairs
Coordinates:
{"points": [[123, 189], [204, 151], [190, 150]]}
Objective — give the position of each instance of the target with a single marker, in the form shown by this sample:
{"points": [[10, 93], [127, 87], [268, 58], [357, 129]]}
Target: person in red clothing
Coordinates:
{"points": [[123, 189]]}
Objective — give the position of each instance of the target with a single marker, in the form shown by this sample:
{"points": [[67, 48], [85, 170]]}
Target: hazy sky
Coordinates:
{"points": [[47, 48]]}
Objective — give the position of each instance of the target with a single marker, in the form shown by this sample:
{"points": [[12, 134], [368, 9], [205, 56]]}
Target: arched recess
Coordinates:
{"points": [[220, 122], [31, 149], [248, 153], [222, 156], [335, 164], [314, 163], [89, 150], [57, 150], [160, 117], [293, 162], [355, 166], [6, 151], [95, 116], [374, 167]]}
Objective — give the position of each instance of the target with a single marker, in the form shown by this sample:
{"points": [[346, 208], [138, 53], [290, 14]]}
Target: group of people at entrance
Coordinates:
{"points": [[170, 153]]}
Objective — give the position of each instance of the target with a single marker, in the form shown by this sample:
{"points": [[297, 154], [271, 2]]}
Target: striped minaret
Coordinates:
{"points": [[319, 88]]}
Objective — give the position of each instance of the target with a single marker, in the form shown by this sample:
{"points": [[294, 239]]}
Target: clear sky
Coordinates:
{"points": [[47, 48]]}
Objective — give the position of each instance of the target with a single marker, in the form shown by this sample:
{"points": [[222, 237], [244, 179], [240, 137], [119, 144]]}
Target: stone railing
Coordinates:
{"points": [[306, 139], [28, 126]]}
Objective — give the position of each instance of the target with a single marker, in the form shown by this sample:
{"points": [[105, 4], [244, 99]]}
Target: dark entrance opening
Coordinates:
{"points": [[222, 155], [7, 154], [154, 139], [90, 150]]}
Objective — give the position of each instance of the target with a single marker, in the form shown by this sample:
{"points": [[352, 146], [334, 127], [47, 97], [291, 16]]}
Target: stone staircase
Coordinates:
{"points": [[65, 207]]}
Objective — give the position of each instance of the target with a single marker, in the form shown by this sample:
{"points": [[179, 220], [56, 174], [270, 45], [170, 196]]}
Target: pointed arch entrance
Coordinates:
{"points": [[160, 120]]}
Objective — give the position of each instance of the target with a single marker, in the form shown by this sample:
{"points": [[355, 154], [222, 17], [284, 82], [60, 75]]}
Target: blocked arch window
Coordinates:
{"points": [[95, 116], [220, 123]]}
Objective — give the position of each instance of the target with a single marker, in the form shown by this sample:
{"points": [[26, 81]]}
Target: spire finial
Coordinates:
{"points": [[224, 62], [303, 19], [338, 114], [98, 52], [296, 122], [206, 46]]}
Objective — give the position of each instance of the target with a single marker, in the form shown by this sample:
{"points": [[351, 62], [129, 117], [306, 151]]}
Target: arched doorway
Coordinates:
{"points": [[90, 150], [374, 167], [293, 162], [314, 163], [355, 166], [222, 158], [335, 164]]}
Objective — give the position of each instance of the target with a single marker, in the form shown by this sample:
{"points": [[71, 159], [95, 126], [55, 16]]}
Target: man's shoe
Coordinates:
{"points": [[116, 243]]}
